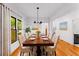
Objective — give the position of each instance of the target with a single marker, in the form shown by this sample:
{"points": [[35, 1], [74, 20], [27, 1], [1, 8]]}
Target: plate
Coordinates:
{"points": [[45, 38], [32, 38]]}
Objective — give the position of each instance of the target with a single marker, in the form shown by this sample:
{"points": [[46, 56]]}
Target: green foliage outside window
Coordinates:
{"points": [[13, 29], [19, 24], [13, 22]]}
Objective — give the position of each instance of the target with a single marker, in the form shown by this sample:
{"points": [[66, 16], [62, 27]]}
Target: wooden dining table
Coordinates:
{"points": [[38, 42]]}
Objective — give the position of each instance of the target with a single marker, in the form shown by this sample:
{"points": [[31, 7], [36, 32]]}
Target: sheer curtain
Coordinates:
{"points": [[0, 30], [6, 30]]}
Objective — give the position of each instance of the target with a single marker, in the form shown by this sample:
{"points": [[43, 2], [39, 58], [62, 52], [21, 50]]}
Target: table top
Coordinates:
{"points": [[38, 42]]}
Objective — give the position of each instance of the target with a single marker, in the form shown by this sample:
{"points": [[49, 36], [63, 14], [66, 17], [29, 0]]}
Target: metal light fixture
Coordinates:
{"points": [[38, 22]]}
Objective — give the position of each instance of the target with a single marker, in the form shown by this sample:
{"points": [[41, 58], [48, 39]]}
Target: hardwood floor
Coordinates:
{"points": [[63, 49], [16, 52], [66, 49]]}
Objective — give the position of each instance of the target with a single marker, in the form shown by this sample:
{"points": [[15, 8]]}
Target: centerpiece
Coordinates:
{"points": [[38, 33]]}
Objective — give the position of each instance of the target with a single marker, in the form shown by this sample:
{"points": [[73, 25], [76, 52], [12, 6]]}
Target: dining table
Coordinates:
{"points": [[38, 42]]}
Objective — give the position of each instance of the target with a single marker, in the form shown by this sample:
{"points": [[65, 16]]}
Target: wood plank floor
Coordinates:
{"points": [[63, 49], [16, 52], [66, 49]]}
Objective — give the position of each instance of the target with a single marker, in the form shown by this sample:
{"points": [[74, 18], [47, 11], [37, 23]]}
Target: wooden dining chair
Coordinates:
{"points": [[51, 50], [24, 50]]}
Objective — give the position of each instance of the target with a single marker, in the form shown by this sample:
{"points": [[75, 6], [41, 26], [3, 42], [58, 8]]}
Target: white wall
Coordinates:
{"points": [[76, 26], [66, 35], [43, 27]]}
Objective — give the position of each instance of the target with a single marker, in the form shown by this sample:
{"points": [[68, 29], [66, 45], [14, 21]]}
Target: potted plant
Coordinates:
{"points": [[27, 30]]}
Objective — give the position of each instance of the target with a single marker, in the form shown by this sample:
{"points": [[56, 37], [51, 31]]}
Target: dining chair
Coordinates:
{"points": [[51, 50], [34, 49], [43, 37], [42, 50], [23, 50]]}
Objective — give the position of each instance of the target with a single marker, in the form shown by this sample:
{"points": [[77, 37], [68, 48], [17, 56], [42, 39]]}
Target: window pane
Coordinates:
{"points": [[13, 35], [13, 30], [13, 22], [19, 24]]}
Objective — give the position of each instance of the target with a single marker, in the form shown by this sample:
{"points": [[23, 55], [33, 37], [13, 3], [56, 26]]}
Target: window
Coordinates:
{"points": [[19, 26], [13, 30], [16, 28]]}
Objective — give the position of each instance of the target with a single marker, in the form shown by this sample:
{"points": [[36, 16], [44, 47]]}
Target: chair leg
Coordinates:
{"points": [[30, 53], [22, 53], [55, 53], [46, 54]]}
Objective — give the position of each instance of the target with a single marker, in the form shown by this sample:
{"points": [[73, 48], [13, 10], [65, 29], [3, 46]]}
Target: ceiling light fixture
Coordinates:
{"points": [[38, 22]]}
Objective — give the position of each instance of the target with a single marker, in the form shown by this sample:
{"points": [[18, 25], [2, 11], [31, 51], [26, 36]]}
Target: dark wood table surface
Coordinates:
{"points": [[38, 42]]}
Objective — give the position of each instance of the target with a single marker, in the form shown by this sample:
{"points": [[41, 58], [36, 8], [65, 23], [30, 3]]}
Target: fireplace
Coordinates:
{"points": [[76, 38]]}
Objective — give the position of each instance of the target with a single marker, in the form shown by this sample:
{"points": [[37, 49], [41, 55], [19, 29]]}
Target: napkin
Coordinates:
{"points": [[45, 38], [32, 38]]}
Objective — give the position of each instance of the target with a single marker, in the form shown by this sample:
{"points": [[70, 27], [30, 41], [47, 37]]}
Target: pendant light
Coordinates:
{"points": [[38, 22]]}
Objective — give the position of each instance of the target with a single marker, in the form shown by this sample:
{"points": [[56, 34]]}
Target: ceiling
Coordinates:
{"points": [[46, 10]]}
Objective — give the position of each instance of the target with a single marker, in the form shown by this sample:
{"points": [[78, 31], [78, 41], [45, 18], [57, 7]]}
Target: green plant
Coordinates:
{"points": [[27, 30]]}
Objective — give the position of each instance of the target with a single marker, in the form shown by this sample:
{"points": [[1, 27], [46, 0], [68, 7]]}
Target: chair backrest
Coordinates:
{"points": [[52, 35], [56, 43], [20, 40], [55, 39]]}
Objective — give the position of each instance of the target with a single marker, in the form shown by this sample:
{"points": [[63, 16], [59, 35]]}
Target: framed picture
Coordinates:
{"points": [[63, 26]]}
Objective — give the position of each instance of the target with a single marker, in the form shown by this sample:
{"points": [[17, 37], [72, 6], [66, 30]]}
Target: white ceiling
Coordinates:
{"points": [[46, 10]]}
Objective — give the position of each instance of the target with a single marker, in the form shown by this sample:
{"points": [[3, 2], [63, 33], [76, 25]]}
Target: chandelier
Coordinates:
{"points": [[37, 22]]}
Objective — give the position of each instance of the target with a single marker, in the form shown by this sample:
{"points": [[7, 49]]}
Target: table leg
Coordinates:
{"points": [[38, 51]]}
